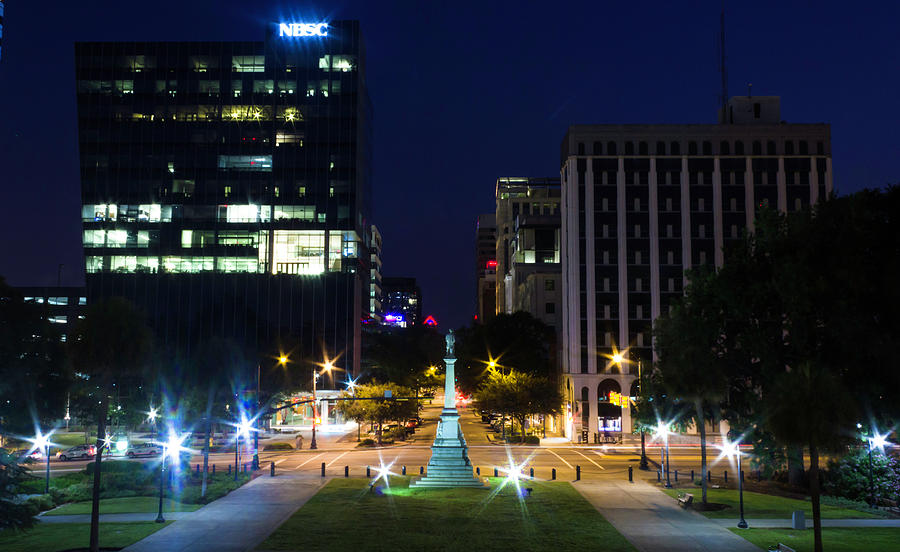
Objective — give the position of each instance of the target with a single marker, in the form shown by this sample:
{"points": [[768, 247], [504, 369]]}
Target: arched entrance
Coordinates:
{"points": [[609, 416]]}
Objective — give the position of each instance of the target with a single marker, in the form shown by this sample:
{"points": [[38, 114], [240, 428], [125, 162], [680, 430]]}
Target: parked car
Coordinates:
{"points": [[144, 449], [24, 454], [80, 451], [412, 423]]}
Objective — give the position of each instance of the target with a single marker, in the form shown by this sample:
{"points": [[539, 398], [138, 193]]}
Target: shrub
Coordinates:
{"points": [[278, 446], [42, 503], [532, 440], [367, 443], [849, 477]]}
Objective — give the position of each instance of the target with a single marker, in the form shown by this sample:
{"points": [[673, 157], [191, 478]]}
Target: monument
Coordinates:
{"points": [[449, 465]]}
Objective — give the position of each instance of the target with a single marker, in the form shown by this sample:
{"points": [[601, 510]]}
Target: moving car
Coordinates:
{"points": [[80, 451], [144, 449]]}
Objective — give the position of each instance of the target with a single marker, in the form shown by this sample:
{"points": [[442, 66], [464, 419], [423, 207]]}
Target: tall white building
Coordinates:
{"points": [[643, 203]]}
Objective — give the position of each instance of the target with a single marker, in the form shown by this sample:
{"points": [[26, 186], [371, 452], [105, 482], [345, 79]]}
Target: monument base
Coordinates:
{"points": [[449, 465]]}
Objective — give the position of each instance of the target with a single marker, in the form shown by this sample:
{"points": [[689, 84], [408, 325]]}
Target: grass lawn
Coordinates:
{"points": [[555, 517], [62, 536], [763, 506], [132, 504], [834, 539]]}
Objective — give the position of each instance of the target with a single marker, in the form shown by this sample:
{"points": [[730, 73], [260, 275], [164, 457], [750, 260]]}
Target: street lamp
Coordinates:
{"points": [[730, 450], [172, 448], [42, 442], [662, 428], [242, 429], [327, 366], [877, 441], [618, 358]]}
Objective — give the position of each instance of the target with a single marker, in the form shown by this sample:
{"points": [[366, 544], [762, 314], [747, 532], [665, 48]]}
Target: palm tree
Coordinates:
{"points": [[111, 344]]}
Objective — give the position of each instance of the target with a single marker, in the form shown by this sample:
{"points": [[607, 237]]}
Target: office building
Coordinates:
{"points": [[376, 311], [225, 186], [62, 306], [402, 302], [643, 203], [485, 267], [528, 248], [1, 29]]}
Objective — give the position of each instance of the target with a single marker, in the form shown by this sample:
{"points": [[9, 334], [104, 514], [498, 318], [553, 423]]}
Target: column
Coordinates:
{"points": [[718, 230], [685, 217], [749, 201], [782, 186], [655, 309], [813, 182], [590, 268], [622, 258], [829, 184]]}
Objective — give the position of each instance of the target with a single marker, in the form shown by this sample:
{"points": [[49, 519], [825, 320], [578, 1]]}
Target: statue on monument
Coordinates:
{"points": [[451, 344]]}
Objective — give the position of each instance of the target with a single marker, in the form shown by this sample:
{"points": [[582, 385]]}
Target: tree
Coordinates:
{"points": [[691, 344], [519, 395], [403, 355], [514, 341], [14, 514], [377, 409], [111, 345]]}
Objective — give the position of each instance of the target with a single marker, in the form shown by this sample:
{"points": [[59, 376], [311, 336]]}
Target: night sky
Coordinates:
{"points": [[463, 92]]}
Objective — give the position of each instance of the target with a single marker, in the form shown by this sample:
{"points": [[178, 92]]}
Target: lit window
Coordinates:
{"points": [[82, 300], [294, 212], [237, 264], [57, 300], [298, 252], [248, 64], [188, 265], [256, 163], [62, 319]]}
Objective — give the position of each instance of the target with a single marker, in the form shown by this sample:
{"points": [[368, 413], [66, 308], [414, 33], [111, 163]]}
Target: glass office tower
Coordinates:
{"points": [[225, 187]]}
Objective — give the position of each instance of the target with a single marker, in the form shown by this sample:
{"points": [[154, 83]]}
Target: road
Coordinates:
{"points": [[595, 461]]}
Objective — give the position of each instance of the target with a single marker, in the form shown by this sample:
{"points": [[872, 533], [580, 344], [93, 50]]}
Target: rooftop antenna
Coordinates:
{"points": [[722, 69]]}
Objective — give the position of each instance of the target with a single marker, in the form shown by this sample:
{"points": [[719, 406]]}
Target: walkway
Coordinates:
{"points": [[652, 521], [240, 521]]}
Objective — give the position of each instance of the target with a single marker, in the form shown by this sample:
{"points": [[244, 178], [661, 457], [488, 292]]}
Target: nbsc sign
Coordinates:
{"points": [[303, 29]]}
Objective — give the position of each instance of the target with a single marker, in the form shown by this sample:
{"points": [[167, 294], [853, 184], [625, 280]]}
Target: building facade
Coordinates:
{"points": [[376, 310], [225, 186], [485, 267], [62, 306], [528, 248], [643, 203], [1, 29], [402, 302]]}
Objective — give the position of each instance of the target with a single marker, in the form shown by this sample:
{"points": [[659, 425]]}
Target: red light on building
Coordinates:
{"points": [[492, 264], [430, 321]]}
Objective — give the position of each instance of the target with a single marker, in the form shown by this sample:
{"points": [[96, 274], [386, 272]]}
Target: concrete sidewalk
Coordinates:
{"points": [[652, 521], [786, 523], [239, 521]]}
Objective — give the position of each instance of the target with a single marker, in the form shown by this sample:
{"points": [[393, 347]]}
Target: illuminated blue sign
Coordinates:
{"points": [[303, 29]]}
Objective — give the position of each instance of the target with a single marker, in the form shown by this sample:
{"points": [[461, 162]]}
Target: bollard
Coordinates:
{"points": [[658, 476], [742, 475], [229, 469], [577, 473], [403, 470], [630, 474], [726, 476], [477, 471], [495, 472], [214, 469], [531, 473], [676, 476], [272, 469], [346, 471], [709, 476], [421, 470], [198, 470], [368, 472], [692, 476], [323, 469], [553, 474]]}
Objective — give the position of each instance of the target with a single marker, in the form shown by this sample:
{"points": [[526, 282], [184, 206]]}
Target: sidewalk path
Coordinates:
{"points": [[239, 521], [652, 521], [786, 523]]}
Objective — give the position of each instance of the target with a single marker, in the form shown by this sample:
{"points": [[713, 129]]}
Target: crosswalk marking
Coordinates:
{"points": [[336, 458], [308, 460], [561, 458], [589, 460]]}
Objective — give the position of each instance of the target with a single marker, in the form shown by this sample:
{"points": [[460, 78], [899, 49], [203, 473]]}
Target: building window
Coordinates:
{"points": [[549, 285], [82, 300], [757, 110], [675, 148], [660, 148], [692, 148], [789, 147], [707, 148], [248, 64], [580, 148], [643, 149], [757, 147], [629, 148], [610, 148], [251, 163], [770, 147], [724, 148], [738, 148], [598, 148], [550, 308], [57, 300]]}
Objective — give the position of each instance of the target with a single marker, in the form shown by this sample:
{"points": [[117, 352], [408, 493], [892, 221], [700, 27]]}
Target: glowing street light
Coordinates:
{"points": [[327, 366], [730, 450], [876, 441], [151, 416], [282, 360], [383, 472], [172, 448], [42, 442], [662, 430]]}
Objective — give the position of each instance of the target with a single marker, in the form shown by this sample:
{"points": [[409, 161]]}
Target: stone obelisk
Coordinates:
{"points": [[449, 465]]}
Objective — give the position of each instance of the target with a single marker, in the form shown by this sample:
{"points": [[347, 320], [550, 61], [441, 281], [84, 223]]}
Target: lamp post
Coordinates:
{"points": [[644, 465], [729, 450], [326, 367], [41, 442], [162, 471], [876, 441], [662, 428]]}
